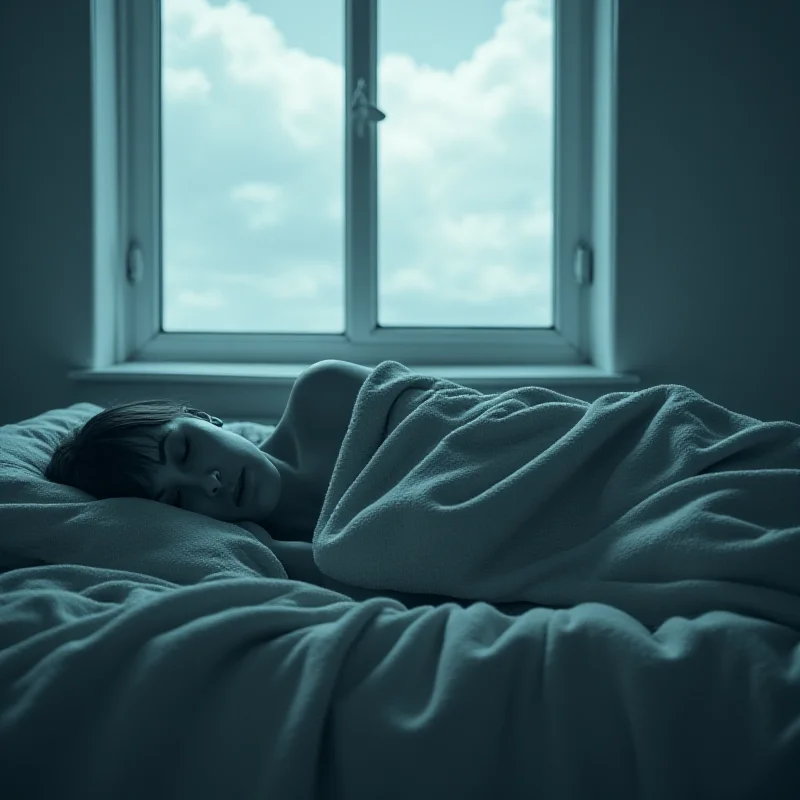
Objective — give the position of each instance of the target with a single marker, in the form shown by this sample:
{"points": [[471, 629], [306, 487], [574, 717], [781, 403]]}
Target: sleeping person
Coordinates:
{"points": [[658, 502], [171, 453]]}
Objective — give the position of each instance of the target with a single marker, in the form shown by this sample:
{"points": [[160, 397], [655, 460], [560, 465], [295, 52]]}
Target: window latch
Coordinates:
{"points": [[134, 264], [583, 264], [362, 112]]}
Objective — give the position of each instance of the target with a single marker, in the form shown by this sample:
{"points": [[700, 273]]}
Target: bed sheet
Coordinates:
{"points": [[117, 685]]}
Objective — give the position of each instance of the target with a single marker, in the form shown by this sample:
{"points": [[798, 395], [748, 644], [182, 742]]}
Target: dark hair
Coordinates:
{"points": [[109, 455]]}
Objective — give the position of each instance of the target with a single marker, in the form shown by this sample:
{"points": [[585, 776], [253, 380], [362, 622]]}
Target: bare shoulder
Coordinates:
{"points": [[335, 369], [334, 383], [320, 406]]}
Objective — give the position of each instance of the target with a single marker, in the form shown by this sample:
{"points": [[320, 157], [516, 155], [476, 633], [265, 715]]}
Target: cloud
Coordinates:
{"points": [[284, 283], [263, 203], [301, 91], [507, 78], [204, 300], [254, 174], [185, 84]]}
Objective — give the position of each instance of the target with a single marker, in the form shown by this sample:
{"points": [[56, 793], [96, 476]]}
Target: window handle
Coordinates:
{"points": [[363, 113]]}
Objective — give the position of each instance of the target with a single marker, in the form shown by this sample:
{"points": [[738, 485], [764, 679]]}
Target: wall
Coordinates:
{"points": [[45, 202], [709, 199], [708, 179]]}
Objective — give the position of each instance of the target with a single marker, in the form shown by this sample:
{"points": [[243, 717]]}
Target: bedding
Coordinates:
{"points": [[146, 651], [658, 502], [120, 685], [46, 523]]}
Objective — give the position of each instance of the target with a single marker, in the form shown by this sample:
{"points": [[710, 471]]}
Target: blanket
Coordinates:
{"points": [[114, 684], [657, 502]]}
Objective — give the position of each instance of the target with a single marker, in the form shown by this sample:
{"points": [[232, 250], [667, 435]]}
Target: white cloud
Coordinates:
{"points": [[298, 280], [185, 84], [204, 300], [495, 281], [516, 59], [465, 159], [481, 234], [302, 91], [411, 279], [507, 78], [264, 203], [336, 208]]}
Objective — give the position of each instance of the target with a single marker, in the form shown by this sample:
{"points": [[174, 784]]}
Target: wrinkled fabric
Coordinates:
{"points": [[657, 502], [116, 685]]}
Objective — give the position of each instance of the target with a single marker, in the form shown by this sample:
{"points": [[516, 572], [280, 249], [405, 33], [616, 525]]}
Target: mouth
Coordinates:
{"points": [[239, 488]]}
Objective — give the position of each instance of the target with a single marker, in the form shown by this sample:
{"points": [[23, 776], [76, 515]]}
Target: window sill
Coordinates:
{"points": [[259, 392], [484, 378]]}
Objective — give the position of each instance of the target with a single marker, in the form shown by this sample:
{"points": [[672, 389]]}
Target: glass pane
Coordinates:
{"points": [[253, 151], [465, 163]]}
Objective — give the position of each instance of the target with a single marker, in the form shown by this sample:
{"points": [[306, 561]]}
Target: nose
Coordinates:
{"points": [[211, 482]]}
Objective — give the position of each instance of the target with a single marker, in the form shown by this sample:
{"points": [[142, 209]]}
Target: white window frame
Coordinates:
{"points": [[139, 335]]}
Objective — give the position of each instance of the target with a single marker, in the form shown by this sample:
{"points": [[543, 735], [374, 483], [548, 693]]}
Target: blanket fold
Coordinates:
{"points": [[658, 502], [118, 685]]}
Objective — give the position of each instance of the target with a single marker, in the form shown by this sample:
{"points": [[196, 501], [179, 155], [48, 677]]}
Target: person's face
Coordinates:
{"points": [[211, 471]]}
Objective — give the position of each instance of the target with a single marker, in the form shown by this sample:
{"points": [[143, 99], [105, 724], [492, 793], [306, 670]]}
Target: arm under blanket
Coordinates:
{"points": [[658, 502]]}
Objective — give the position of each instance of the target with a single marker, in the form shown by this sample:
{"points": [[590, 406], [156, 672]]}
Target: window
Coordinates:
{"points": [[272, 214]]}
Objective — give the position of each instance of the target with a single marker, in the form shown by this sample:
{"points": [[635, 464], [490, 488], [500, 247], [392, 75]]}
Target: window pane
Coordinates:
{"points": [[465, 163], [253, 150]]}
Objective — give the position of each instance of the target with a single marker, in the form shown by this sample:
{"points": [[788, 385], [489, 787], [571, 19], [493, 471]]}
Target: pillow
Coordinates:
{"points": [[46, 523]]}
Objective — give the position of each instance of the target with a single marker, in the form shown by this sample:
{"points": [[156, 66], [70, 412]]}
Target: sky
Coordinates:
{"points": [[253, 164]]}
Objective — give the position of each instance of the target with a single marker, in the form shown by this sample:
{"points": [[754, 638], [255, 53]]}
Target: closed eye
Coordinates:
{"points": [[183, 459]]}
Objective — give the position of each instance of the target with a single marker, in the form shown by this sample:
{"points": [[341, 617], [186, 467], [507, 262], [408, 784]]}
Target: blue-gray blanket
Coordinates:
{"points": [[154, 653], [657, 502]]}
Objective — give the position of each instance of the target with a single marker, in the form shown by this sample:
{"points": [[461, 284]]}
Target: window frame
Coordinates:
{"points": [[140, 338]]}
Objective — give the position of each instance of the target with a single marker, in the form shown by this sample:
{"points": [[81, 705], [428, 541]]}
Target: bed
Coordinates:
{"points": [[149, 652]]}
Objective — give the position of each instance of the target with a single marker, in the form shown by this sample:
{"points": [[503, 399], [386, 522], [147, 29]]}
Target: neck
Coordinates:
{"points": [[295, 516]]}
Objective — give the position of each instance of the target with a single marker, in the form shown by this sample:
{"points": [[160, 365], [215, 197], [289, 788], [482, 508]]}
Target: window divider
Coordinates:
{"points": [[361, 217]]}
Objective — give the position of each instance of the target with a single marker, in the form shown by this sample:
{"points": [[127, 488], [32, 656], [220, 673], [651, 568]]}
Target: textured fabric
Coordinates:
{"points": [[115, 685], [177, 661], [657, 502]]}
